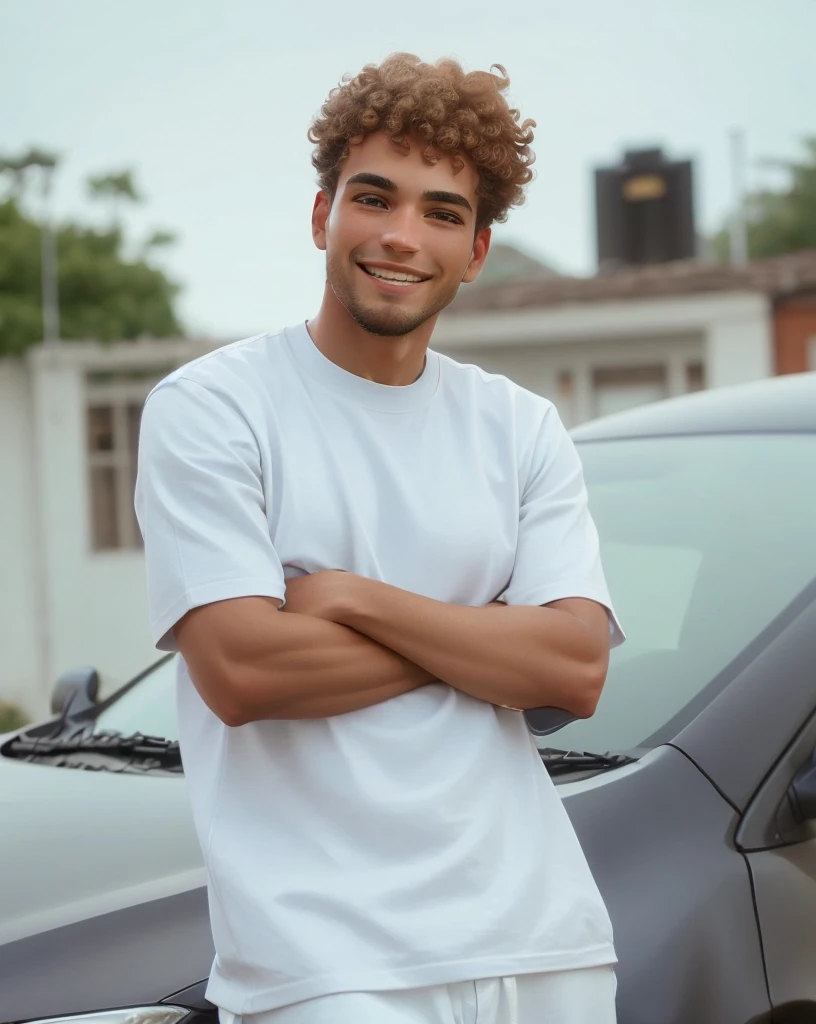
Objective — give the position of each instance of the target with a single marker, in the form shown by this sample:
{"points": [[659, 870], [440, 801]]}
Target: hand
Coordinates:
{"points": [[320, 594]]}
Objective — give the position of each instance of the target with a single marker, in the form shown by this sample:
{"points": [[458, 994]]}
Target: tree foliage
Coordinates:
{"points": [[785, 220], [103, 295], [116, 189], [114, 186], [11, 717]]}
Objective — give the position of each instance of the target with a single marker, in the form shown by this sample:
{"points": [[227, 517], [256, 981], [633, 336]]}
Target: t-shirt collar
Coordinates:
{"points": [[385, 397]]}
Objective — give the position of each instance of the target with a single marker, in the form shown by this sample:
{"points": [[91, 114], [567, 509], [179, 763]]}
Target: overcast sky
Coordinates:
{"points": [[209, 101]]}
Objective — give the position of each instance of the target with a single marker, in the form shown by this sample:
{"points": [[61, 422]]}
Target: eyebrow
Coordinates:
{"points": [[387, 185]]}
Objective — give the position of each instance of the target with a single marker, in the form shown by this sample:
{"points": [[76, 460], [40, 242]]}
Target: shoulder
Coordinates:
{"points": [[218, 395], [232, 369], [495, 392]]}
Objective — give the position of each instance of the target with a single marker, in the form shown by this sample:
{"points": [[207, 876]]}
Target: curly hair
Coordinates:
{"points": [[451, 111]]}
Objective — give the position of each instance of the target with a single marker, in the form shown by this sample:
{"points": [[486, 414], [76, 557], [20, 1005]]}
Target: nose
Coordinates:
{"points": [[401, 233]]}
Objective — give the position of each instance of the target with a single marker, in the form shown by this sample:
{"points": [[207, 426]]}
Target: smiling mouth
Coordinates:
{"points": [[397, 277]]}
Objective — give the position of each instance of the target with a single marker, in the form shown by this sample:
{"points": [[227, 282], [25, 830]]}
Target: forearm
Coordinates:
{"points": [[270, 664], [518, 656], [324, 669]]}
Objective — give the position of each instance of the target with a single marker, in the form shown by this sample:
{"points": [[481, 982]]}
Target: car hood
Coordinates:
{"points": [[80, 843]]}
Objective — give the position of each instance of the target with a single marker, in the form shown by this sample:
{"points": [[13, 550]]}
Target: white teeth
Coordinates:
{"points": [[392, 275]]}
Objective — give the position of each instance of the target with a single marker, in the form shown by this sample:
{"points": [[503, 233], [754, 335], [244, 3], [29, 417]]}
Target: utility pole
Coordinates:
{"points": [[50, 268], [48, 242], [738, 233]]}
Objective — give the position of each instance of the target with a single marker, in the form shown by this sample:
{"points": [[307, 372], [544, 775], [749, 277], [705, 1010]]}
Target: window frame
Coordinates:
{"points": [[118, 393]]}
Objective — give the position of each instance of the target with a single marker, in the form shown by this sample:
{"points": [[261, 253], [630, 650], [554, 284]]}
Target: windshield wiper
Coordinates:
{"points": [[562, 762], [139, 751]]}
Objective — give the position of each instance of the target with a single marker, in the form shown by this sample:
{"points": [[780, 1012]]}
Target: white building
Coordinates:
{"points": [[72, 587], [598, 345]]}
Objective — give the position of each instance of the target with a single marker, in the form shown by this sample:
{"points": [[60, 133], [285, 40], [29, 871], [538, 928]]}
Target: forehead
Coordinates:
{"points": [[408, 169]]}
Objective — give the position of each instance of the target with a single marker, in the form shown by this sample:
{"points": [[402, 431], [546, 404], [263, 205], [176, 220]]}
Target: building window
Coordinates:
{"points": [[565, 397], [114, 410], [695, 377], [113, 438], [623, 387]]}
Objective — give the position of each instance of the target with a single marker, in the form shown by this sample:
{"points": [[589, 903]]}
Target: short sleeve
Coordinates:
{"points": [[558, 552], [200, 505]]}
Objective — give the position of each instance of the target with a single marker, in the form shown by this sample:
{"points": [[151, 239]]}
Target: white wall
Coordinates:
{"points": [[63, 605], [20, 610], [96, 600], [736, 329], [537, 367], [740, 348]]}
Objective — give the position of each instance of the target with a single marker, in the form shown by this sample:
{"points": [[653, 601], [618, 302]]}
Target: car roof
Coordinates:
{"points": [[785, 404]]}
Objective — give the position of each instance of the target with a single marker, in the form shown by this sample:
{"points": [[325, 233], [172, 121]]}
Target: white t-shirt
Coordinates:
{"points": [[419, 841]]}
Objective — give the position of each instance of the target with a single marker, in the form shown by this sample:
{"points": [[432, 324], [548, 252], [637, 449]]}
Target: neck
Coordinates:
{"points": [[397, 361]]}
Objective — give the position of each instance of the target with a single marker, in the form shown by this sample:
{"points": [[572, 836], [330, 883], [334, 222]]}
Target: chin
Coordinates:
{"points": [[387, 326], [386, 323]]}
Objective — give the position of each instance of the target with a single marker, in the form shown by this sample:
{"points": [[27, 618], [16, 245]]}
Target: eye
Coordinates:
{"points": [[446, 216], [370, 200]]}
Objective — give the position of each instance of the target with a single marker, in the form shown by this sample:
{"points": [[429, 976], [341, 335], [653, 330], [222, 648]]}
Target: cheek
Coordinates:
{"points": [[335, 232], [455, 256], [345, 228]]}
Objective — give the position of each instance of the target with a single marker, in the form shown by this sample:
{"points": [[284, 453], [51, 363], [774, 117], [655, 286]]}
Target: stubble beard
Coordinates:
{"points": [[390, 322]]}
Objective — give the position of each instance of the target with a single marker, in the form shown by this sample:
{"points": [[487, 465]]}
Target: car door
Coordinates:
{"points": [[779, 844]]}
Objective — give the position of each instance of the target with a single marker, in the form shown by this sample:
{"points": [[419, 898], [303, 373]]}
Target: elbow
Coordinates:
{"points": [[232, 715], [578, 693], [588, 689], [223, 696], [234, 709]]}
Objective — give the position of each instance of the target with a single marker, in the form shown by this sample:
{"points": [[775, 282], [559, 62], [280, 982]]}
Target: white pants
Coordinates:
{"points": [[585, 996]]}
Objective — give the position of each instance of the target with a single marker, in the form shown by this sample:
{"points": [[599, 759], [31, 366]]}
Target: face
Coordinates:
{"points": [[399, 235]]}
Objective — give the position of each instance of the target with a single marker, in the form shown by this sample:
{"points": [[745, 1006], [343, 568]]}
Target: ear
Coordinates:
{"points": [[320, 214], [481, 247]]}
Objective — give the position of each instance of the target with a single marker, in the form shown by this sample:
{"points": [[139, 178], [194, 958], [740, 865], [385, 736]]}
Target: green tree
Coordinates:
{"points": [[11, 717], [102, 295], [781, 221], [116, 189]]}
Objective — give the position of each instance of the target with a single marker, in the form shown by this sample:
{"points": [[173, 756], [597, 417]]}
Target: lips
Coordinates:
{"points": [[393, 275]]}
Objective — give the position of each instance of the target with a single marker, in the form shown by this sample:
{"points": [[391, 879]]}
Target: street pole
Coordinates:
{"points": [[50, 267], [738, 233]]}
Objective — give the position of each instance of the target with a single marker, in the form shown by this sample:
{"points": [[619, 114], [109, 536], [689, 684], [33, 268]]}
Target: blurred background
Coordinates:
{"points": [[155, 193]]}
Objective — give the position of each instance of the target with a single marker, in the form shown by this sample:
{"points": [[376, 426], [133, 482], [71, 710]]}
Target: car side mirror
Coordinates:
{"points": [[75, 692], [543, 721], [802, 792]]}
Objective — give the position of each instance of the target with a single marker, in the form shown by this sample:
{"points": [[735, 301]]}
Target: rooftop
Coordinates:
{"points": [[776, 277], [507, 263]]}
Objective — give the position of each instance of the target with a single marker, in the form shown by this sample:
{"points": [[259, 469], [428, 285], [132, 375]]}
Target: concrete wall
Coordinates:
{"points": [[62, 604], [21, 610], [537, 367], [732, 334], [96, 606]]}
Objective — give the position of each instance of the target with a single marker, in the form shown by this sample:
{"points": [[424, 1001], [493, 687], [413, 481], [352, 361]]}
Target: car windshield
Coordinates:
{"points": [[149, 707], [705, 541]]}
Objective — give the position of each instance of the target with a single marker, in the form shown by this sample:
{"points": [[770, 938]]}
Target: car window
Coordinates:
{"points": [[149, 707], [705, 540]]}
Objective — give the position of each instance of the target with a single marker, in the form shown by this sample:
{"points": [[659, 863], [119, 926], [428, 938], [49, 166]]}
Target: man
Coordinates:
{"points": [[369, 557]]}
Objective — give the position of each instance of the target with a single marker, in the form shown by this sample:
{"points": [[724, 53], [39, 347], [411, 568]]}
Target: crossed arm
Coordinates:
{"points": [[344, 642]]}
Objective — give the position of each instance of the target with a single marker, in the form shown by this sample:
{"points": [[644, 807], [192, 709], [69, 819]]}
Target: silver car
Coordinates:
{"points": [[692, 789]]}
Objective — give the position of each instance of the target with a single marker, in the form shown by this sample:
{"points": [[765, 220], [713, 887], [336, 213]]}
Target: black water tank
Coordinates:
{"points": [[644, 210]]}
